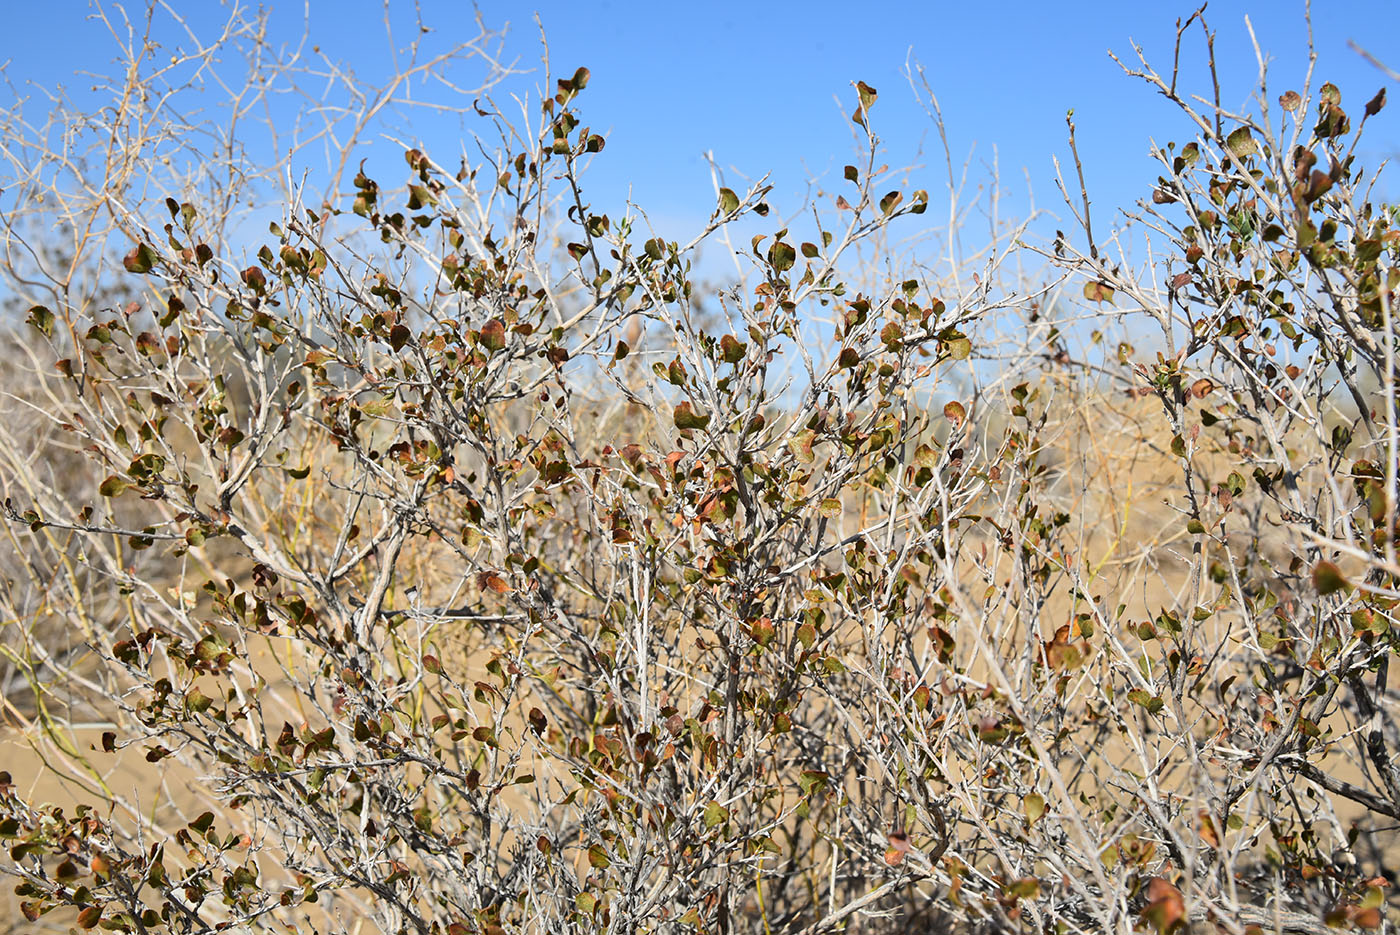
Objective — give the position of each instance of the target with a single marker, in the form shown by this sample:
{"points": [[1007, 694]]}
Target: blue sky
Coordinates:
{"points": [[758, 84]]}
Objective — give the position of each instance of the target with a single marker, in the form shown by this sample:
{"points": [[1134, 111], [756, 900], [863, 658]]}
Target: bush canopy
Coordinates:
{"points": [[450, 553]]}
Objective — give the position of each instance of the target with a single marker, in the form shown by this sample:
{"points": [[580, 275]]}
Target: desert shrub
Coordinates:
{"points": [[452, 559]]}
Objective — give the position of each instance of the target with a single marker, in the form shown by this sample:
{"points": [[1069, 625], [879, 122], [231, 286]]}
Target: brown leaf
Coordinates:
{"points": [[1206, 828], [1165, 907], [494, 582], [1368, 918], [1328, 579], [1374, 105]]}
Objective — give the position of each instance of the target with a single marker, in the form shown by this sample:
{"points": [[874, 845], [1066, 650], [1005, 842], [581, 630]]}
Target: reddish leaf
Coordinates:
{"points": [[1328, 579], [1165, 907]]}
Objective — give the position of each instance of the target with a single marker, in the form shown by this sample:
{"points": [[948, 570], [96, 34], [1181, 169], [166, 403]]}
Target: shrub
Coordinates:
{"points": [[485, 571]]}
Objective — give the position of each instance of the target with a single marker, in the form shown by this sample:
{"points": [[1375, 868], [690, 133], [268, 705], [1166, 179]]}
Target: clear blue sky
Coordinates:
{"points": [[757, 83]]}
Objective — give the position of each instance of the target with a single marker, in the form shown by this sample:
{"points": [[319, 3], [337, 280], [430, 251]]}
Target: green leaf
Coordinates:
{"points": [[959, 348], [782, 256], [146, 465], [112, 486], [732, 349], [830, 508], [1241, 143], [685, 417], [1098, 292], [801, 446], [728, 201], [1152, 703], [866, 95], [141, 259], [1025, 888], [378, 407], [1034, 805], [197, 701], [715, 814], [41, 318], [890, 202], [812, 780]]}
